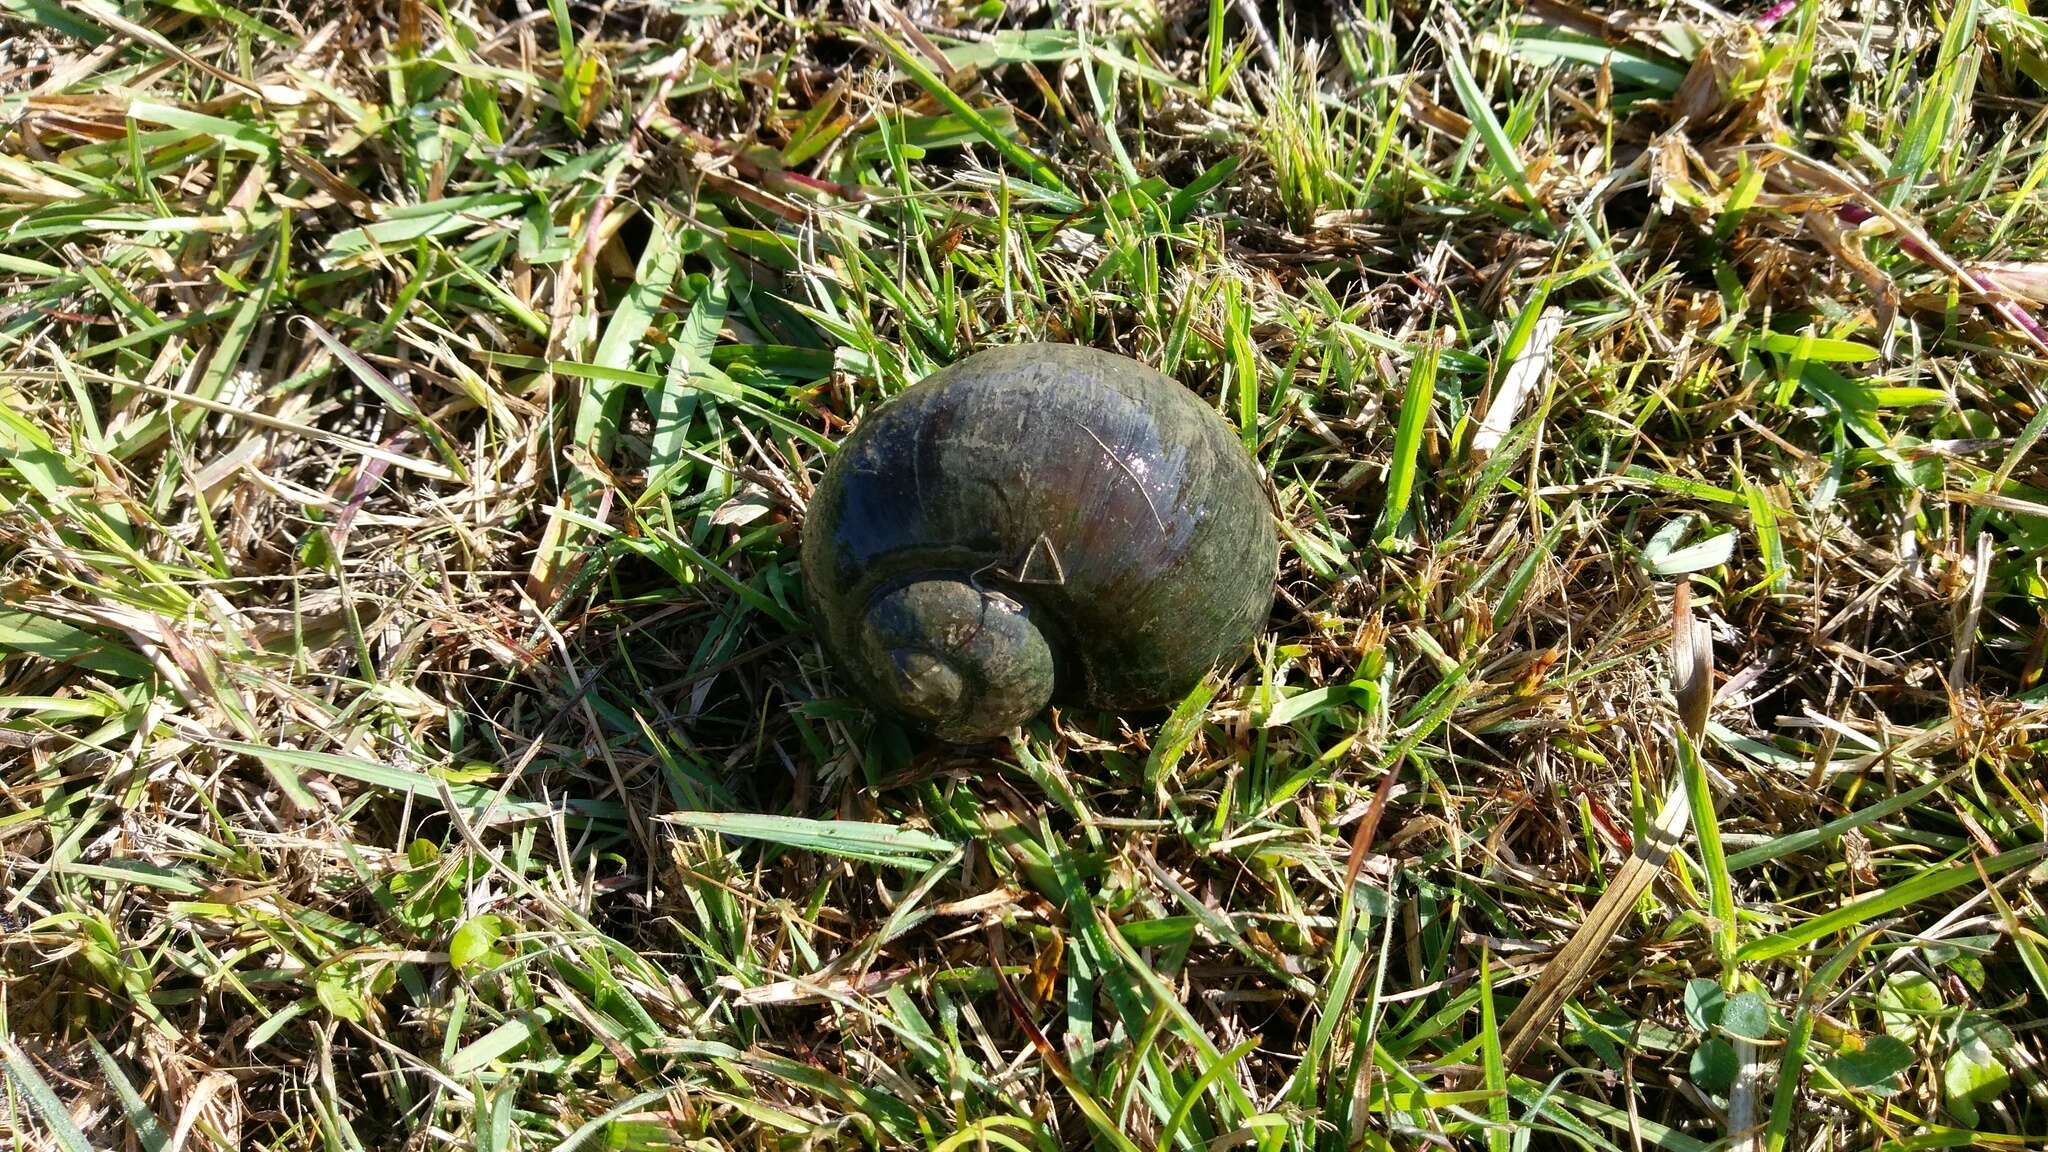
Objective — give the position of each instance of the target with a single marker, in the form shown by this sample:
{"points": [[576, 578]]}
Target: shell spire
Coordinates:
{"points": [[966, 662]]}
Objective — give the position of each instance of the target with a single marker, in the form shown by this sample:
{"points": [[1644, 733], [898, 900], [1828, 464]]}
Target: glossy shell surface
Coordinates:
{"points": [[1116, 507]]}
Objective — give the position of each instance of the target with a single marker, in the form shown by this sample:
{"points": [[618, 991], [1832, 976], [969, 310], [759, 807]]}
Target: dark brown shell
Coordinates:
{"points": [[1110, 502]]}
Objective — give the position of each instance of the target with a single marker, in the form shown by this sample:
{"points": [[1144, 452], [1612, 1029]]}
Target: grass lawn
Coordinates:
{"points": [[411, 735]]}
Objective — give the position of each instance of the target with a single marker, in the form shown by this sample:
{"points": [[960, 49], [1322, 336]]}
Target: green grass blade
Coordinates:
{"points": [[1924, 886], [1713, 859], [1493, 1068], [1507, 159], [143, 1122], [1792, 1059], [876, 843], [1212, 1071], [1402, 469], [42, 1099], [1807, 839], [1030, 162]]}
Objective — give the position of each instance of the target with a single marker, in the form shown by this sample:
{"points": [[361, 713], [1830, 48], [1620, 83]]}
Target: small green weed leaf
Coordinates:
{"points": [[1874, 1065], [1978, 1028], [339, 989], [1974, 1074], [475, 943], [1906, 999], [1747, 1015], [1704, 1001], [1713, 1066]]}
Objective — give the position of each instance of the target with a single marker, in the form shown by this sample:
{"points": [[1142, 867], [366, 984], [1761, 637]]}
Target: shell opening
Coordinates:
{"points": [[964, 661]]}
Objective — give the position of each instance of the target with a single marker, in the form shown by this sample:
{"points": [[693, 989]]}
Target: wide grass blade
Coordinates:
{"points": [[42, 1099], [876, 843], [148, 1132], [1924, 886], [1403, 467], [1507, 158]]}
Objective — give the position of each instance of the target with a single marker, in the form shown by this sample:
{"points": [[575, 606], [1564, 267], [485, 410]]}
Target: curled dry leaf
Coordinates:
{"points": [[1523, 378], [747, 505], [1692, 662], [2026, 279], [1846, 246]]}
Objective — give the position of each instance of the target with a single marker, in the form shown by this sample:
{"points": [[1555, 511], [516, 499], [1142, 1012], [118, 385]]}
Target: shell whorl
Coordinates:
{"points": [[965, 661]]}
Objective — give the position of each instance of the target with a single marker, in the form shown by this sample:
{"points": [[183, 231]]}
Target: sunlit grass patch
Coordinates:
{"points": [[411, 732]]}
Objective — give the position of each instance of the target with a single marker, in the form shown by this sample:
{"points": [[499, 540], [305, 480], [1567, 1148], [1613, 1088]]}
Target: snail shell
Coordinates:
{"points": [[1037, 522]]}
